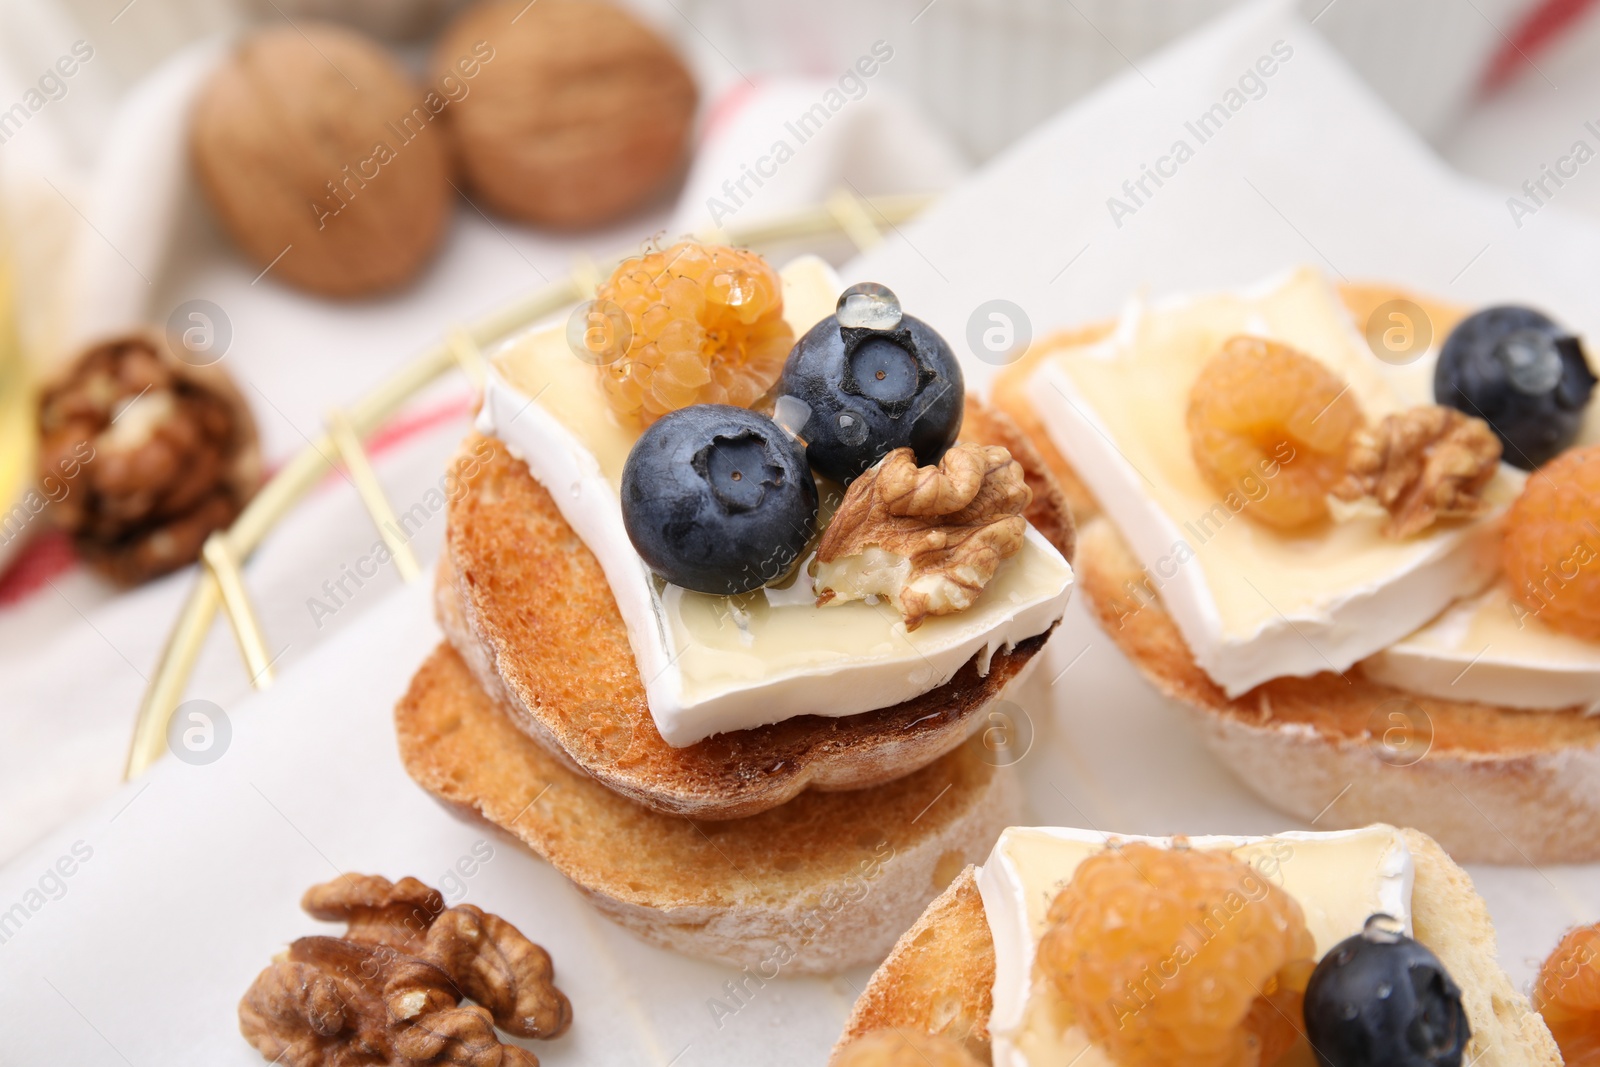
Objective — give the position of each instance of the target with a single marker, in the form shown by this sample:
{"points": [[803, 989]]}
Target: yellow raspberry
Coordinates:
{"points": [[1551, 551], [1178, 955], [706, 325], [1261, 410], [1567, 994]]}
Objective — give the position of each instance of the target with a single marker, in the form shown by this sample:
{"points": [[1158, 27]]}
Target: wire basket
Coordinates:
{"points": [[219, 583]]}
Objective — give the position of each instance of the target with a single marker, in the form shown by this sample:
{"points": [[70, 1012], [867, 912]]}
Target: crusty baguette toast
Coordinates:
{"points": [[940, 976], [528, 607], [1497, 785], [818, 885]]}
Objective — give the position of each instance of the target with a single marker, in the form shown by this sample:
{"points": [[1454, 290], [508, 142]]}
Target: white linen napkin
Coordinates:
{"points": [[780, 146]]}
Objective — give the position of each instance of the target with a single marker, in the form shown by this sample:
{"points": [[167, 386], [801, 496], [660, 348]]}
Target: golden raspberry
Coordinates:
{"points": [[1567, 994], [707, 328], [1551, 551], [1178, 955], [1271, 425]]}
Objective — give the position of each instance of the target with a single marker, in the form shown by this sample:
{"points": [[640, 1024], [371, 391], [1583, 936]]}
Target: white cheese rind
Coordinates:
{"points": [[1484, 650], [695, 691]]}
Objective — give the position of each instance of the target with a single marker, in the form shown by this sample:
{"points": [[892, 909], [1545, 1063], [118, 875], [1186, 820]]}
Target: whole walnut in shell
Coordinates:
{"points": [[148, 455], [581, 114], [322, 159]]}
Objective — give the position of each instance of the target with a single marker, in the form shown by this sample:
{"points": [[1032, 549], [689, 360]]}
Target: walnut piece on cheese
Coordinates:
{"points": [[926, 539], [1423, 464]]}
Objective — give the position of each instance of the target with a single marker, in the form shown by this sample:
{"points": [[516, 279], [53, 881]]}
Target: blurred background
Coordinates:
{"points": [[985, 71], [164, 173]]}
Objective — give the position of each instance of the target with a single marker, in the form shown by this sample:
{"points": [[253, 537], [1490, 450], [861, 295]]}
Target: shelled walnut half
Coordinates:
{"points": [[390, 990], [1422, 465], [154, 455], [927, 539]]}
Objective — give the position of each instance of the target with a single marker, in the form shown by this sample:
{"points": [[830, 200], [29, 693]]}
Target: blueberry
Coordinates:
{"points": [[1522, 374], [1380, 999], [872, 380], [718, 499]]}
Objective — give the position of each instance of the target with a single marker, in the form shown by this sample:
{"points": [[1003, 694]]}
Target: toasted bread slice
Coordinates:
{"points": [[821, 884], [529, 609], [940, 977], [1496, 785]]}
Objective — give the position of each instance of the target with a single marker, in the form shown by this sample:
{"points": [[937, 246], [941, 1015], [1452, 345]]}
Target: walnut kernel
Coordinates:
{"points": [[390, 991], [1422, 465], [926, 538], [398, 914], [155, 454]]}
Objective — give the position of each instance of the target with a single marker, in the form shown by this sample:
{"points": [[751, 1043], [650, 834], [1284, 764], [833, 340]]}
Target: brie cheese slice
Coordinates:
{"points": [[1494, 650]]}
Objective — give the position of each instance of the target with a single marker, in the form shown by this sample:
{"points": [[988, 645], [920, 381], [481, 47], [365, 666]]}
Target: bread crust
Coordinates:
{"points": [[1498, 784], [1449, 916], [818, 885], [526, 604], [939, 978]]}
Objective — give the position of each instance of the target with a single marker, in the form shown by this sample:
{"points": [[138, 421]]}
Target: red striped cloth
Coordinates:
{"points": [[1539, 29]]}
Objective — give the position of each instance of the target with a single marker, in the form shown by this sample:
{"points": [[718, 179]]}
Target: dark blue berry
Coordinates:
{"points": [[718, 499], [1380, 999], [872, 380], [1523, 375]]}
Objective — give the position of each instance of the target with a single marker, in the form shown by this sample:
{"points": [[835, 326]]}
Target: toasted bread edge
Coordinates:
{"points": [[772, 913], [1494, 785]]}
